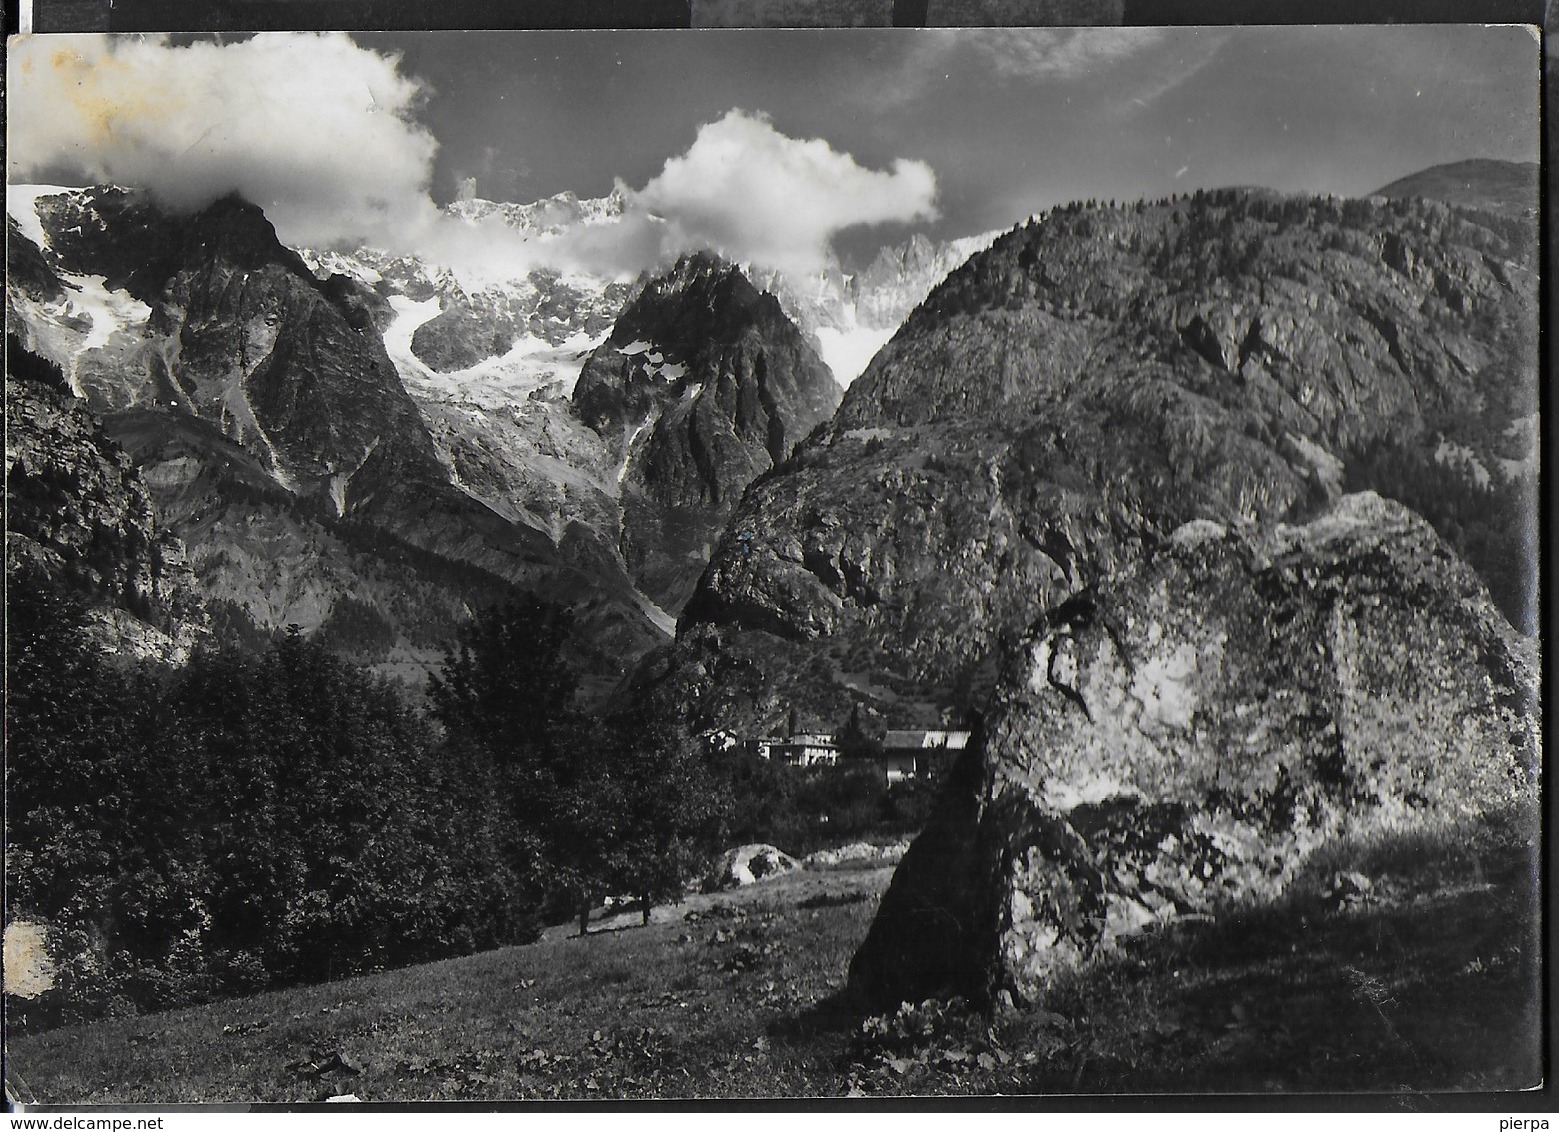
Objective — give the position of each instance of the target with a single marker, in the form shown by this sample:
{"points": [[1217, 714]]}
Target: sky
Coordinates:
{"points": [[783, 147]]}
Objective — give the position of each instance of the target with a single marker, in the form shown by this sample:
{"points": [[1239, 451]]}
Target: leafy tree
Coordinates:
{"points": [[506, 690], [97, 845], [1493, 527], [351, 848], [592, 806], [238, 822], [674, 807], [505, 683]]}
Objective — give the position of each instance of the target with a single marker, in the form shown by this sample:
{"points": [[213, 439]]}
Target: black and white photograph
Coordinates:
{"points": [[773, 565]]}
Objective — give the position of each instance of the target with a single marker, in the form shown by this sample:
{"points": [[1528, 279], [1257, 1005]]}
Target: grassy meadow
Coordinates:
{"points": [[1420, 977]]}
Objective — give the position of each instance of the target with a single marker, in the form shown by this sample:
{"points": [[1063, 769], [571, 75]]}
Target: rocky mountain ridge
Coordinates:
{"points": [[483, 326], [1098, 377]]}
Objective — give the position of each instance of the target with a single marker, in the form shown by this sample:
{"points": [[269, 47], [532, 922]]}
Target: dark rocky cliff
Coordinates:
{"points": [[80, 519], [240, 333]]}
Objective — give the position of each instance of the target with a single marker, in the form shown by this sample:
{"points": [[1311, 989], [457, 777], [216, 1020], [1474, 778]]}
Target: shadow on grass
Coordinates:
{"points": [[1421, 973], [1404, 964]]}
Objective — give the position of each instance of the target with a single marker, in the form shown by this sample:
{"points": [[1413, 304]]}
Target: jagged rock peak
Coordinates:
{"points": [[680, 331], [241, 223], [702, 296], [138, 243], [703, 385]]}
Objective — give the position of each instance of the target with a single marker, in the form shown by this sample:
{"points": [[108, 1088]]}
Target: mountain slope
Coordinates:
{"points": [[1098, 377], [247, 385], [489, 365], [1509, 188], [703, 385]]}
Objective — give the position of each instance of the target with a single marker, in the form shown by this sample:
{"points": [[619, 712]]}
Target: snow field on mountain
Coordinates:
{"points": [[849, 352], [90, 317], [529, 365], [110, 311]]}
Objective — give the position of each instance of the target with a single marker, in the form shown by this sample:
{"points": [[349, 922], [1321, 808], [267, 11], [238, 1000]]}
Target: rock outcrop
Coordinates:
{"points": [[748, 864], [1179, 738]]}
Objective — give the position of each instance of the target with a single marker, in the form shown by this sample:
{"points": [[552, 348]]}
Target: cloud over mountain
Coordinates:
{"points": [[753, 193], [323, 133], [320, 132]]}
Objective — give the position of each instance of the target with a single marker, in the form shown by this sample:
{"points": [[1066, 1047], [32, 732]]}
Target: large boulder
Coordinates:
{"points": [[1180, 738], [748, 864]]}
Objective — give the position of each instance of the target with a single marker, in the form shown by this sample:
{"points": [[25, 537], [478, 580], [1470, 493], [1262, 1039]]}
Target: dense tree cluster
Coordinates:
{"points": [[1491, 524], [804, 809], [239, 821], [251, 819]]}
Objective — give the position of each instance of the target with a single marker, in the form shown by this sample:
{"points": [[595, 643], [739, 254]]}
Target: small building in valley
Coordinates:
{"points": [[920, 755], [809, 748], [804, 749]]}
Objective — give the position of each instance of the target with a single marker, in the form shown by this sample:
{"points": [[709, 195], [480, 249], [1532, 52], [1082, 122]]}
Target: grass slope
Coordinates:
{"points": [[1421, 977]]}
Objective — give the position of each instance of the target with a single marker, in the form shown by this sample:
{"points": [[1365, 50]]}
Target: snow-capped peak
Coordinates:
{"points": [[549, 216]]}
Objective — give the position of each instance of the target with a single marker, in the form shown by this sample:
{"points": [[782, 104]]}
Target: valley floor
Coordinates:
{"points": [[1426, 981]]}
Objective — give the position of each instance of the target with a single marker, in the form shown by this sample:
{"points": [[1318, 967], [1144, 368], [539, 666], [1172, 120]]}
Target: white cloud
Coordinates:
{"points": [[753, 193], [323, 134], [317, 130]]}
